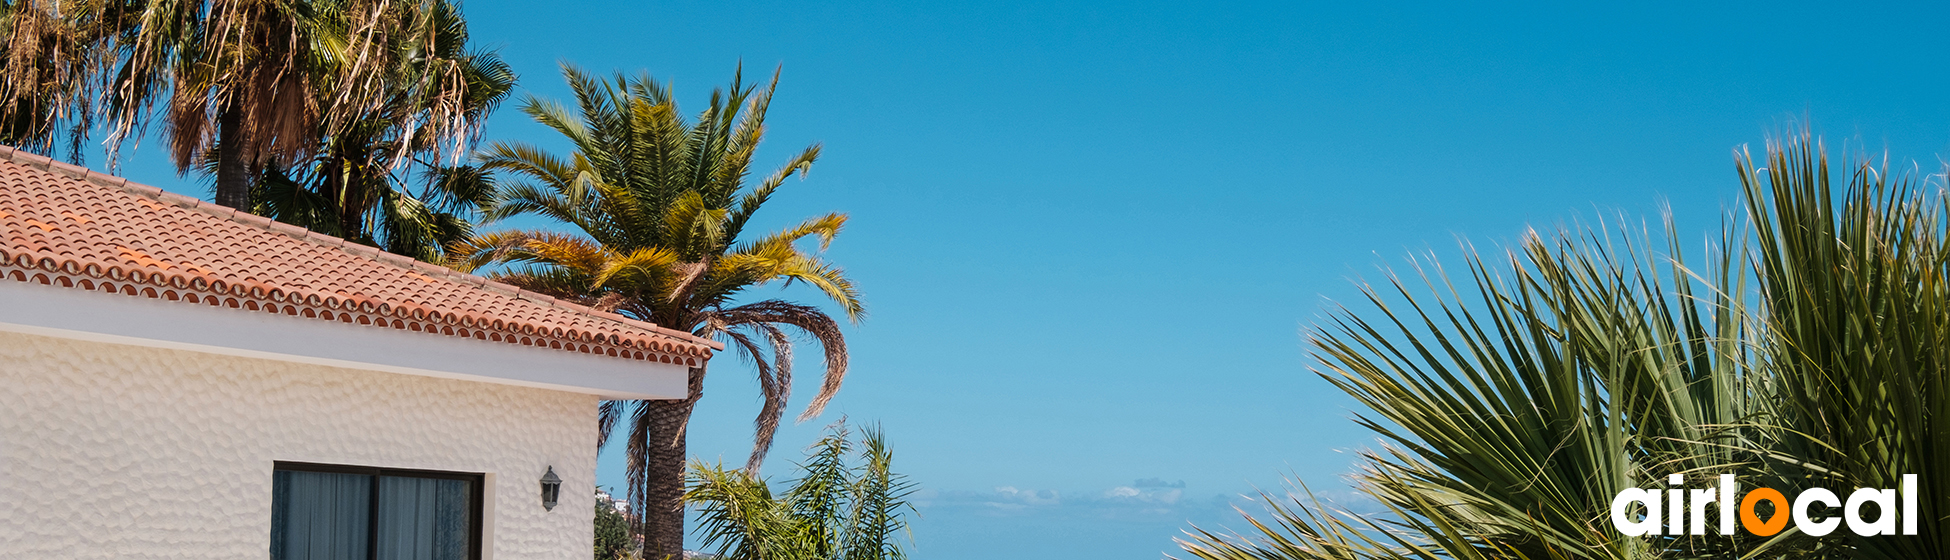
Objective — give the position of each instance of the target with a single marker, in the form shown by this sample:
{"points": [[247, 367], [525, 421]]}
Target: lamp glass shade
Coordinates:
{"points": [[551, 489]]}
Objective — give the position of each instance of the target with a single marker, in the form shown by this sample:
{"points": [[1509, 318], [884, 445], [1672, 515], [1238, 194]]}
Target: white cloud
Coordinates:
{"points": [[1167, 500]]}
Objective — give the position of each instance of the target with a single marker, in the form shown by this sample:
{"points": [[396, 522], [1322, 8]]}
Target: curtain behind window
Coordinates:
{"points": [[423, 518], [320, 516]]}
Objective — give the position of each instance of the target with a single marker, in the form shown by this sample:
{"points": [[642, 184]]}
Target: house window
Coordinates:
{"points": [[337, 512]]}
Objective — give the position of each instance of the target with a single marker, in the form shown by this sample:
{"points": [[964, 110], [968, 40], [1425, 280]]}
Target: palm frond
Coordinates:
{"points": [[1856, 282], [1517, 402], [502, 246], [880, 495], [526, 159], [848, 504], [810, 321]]}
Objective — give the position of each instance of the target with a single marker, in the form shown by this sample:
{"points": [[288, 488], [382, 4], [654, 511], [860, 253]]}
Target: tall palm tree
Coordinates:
{"points": [[358, 186], [660, 206], [263, 82]]}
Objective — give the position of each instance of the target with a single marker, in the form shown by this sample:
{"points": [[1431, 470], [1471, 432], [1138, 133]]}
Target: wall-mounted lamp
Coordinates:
{"points": [[551, 489]]}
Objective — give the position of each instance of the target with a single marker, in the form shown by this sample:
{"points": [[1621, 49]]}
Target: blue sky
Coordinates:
{"points": [[1092, 234]]}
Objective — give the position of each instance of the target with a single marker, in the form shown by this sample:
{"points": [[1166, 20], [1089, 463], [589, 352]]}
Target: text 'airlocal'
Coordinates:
{"points": [[1675, 504]]}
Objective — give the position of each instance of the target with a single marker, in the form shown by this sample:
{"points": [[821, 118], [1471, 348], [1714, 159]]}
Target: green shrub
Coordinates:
{"points": [[613, 539]]}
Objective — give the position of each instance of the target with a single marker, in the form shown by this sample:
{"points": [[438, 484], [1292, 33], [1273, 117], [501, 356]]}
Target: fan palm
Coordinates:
{"points": [[1815, 358], [264, 82], [357, 187], [660, 206], [1857, 291], [49, 64], [1581, 365], [835, 511]]}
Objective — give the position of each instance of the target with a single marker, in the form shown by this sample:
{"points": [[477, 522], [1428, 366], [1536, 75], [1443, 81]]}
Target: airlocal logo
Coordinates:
{"points": [[1676, 518]]}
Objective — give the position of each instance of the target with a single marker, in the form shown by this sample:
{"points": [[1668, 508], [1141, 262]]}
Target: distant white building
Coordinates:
{"points": [[621, 506]]}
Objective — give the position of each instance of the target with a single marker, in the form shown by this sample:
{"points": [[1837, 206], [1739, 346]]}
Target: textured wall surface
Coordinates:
{"points": [[112, 451]]}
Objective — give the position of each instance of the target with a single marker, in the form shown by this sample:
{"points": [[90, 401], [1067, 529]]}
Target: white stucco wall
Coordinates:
{"points": [[114, 451]]}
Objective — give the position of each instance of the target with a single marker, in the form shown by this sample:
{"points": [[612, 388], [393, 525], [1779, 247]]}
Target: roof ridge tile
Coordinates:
{"points": [[33, 159], [288, 229], [178, 200], [394, 259], [253, 220], [109, 180], [431, 268], [76, 171], [493, 284]]}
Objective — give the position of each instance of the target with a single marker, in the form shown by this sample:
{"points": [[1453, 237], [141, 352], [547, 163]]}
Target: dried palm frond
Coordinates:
{"points": [[52, 59]]}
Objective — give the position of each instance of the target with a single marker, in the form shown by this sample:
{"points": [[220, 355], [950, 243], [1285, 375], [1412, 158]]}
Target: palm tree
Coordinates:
{"points": [[49, 64], [1811, 354], [835, 511], [1513, 417], [357, 187], [263, 82], [661, 206], [1857, 291], [1581, 364]]}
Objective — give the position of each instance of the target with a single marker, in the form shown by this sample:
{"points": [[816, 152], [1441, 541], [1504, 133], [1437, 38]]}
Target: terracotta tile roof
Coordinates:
{"points": [[68, 226]]}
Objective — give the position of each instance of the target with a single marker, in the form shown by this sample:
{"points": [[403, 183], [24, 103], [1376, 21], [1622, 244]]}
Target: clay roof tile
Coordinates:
{"points": [[62, 224]]}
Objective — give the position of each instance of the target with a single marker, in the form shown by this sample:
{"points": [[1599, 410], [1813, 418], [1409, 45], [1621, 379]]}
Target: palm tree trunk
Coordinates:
{"points": [[662, 493], [233, 173]]}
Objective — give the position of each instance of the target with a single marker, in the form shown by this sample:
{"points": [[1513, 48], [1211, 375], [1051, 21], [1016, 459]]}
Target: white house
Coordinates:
{"points": [[179, 380]]}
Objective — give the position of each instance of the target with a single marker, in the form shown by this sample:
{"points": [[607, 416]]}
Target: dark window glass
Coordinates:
{"points": [[423, 518], [320, 516], [333, 512]]}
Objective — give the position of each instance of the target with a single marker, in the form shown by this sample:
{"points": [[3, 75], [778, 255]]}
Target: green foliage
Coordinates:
{"points": [[613, 539], [664, 201], [48, 69], [835, 510], [660, 205], [359, 186], [1585, 362], [1857, 297], [334, 95], [295, 72]]}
